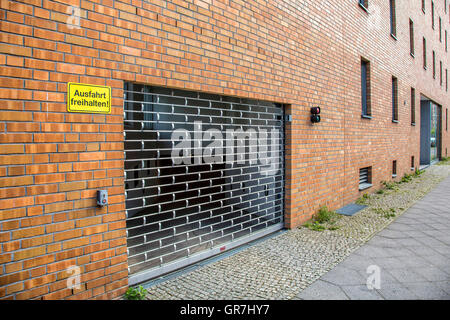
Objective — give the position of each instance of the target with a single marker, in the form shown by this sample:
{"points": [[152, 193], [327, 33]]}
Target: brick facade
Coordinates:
{"points": [[299, 53]]}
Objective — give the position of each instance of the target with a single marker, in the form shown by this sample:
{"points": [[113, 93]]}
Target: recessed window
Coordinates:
{"points": [[393, 18], [413, 163], [446, 79], [365, 178], [394, 168], [440, 29], [365, 89], [411, 37], [394, 99], [440, 73], [423, 6], [424, 53], [413, 106], [364, 4], [434, 64], [446, 42], [432, 14], [446, 119]]}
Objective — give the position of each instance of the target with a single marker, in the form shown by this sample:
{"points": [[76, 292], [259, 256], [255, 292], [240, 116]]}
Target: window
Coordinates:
{"points": [[393, 18], [413, 106], [446, 119], [413, 163], [365, 89], [423, 6], [394, 168], [411, 37], [424, 53], [394, 99], [434, 65], [365, 178], [446, 79], [432, 14], [364, 4], [446, 47], [440, 29], [440, 73]]}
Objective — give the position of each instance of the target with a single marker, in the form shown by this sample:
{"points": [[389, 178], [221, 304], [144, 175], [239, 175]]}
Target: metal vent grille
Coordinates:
{"points": [[180, 213], [364, 176]]}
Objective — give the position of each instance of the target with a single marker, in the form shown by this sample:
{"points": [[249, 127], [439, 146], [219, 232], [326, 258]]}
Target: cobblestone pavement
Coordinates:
{"points": [[283, 266], [412, 256]]}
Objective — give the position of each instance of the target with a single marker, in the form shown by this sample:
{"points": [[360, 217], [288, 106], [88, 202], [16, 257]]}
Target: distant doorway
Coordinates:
{"points": [[430, 131]]}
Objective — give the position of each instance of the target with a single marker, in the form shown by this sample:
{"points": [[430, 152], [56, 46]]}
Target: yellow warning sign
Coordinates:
{"points": [[88, 98]]}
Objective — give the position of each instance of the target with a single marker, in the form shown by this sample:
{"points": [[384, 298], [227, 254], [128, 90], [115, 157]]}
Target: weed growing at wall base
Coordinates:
{"points": [[136, 293], [323, 220]]}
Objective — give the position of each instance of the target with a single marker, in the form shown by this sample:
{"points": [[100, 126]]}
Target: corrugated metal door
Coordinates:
{"points": [[180, 213]]}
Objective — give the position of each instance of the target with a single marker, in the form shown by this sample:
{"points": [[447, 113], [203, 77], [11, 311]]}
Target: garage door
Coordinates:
{"points": [[203, 174]]}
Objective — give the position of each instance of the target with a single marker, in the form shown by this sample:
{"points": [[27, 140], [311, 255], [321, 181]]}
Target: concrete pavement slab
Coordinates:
{"points": [[412, 253], [322, 290]]}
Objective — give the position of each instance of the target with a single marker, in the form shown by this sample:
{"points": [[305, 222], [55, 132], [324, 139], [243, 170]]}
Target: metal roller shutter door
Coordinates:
{"points": [[178, 214]]}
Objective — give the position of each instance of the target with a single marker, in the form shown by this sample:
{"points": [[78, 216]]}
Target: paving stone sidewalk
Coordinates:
{"points": [[284, 265], [412, 254]]}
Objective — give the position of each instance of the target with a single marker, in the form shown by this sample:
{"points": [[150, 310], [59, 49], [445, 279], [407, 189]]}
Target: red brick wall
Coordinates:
{"points": [[301, 53]]}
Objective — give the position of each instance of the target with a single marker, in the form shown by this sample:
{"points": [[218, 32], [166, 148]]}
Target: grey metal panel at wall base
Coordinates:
{"points": [[157, 272], [179, 212], [351, 209]]}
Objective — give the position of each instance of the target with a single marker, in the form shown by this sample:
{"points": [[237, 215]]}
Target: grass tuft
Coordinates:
{"points": [[324, 219]]}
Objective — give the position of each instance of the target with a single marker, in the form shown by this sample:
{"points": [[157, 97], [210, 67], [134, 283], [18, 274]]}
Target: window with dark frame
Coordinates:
{"points": [[394, 99], [365, 88], [446, 42], [364, 3], [413, 163], [393, 19], [424, 53], [432, 14], [440, 29], [423, 6], [434, 64], [413, 106], [411, 37], [441, 80], [394, 168]]}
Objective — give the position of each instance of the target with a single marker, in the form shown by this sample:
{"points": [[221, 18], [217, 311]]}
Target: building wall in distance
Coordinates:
{"points": [[300, 53]]}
